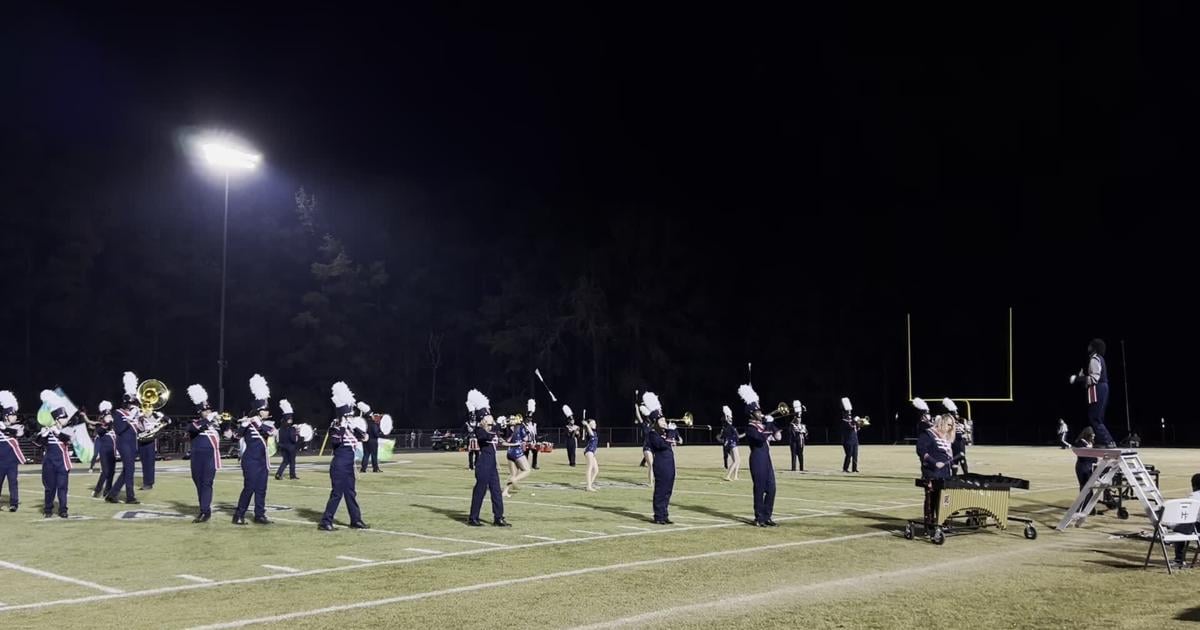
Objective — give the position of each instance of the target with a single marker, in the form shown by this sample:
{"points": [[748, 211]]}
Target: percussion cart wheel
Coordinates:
{"points": [[1030, 532], [908, 532], [938, 536]]}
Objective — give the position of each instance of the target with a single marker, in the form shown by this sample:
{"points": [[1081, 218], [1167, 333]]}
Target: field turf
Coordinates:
{"points": [[578, 559]]}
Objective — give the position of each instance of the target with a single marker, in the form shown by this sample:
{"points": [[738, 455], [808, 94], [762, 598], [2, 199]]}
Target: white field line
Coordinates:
{"points": [[534, 578], [584, 531], [836, 585], [412, 534], [639, 529], [538, 537], [194, 578], [61, 578], [275, 567], [428, 552], [173, 589], [353, 559]]}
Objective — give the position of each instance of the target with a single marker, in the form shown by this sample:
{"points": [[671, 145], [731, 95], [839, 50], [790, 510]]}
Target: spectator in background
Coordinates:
{"points": [[412, 439], [1062, 433]]}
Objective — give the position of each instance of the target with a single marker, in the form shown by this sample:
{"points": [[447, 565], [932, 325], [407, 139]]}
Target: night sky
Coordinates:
{"points": [[625, 197]]}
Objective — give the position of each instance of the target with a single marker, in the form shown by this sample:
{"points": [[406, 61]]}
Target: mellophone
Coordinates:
{"points": [[966, 503]]}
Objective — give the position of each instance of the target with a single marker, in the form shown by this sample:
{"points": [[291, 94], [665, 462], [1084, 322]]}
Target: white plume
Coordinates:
{"points": [[567, 411], [364, 407], [650, 401], [846, 404], [531, 406], [469, 409], [130, 381], [285, 406], [727, 411], [8, 401], [258, 387], [51, 399], [342, 396], [920, 404], [197, 393], [796, 406], [949, 405], [747, 394], [105, 406], [476, 400]]}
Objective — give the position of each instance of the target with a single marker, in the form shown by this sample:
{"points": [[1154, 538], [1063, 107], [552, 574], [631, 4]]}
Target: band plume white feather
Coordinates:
{"points": [[727, 411], [476, 400], [105, 406], [747, 394], [949, 405], [846, 404], [531, 406], [8, 401], [920, 404], [51, 400], [258, 387], [567, 411], [130, 382], [285, 406], [342, 396], [651, 403], [197, 393]]}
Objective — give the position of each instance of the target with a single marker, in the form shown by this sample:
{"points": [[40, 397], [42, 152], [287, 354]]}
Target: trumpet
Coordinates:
{"points": [[687, 420]]}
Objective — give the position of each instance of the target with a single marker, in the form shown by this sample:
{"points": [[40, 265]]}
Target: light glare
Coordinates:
{"points": [[225, 156]]}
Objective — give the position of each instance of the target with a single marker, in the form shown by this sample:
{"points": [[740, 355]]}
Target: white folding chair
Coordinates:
{"points": [[1174, 512]]}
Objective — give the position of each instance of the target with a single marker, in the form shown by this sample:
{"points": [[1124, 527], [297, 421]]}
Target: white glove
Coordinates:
{"points": [[1073, 377], [941, 464]]}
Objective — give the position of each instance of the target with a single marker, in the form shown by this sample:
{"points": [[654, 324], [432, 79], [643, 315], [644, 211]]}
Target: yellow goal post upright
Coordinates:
{"points": [[967, 401]]}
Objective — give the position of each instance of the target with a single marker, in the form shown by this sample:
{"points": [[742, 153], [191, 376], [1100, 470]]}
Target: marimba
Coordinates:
{"points": [[966, 503]]}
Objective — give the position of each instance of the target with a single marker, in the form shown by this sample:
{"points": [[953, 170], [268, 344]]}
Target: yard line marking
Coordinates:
{"points": [[353, 559], [351, 567], [62, 578], [584, 531], [429, 552], [413, 534], [640, 529], [193, 578], [538, 537], [275, 567], [835, 585], [537, 578]]}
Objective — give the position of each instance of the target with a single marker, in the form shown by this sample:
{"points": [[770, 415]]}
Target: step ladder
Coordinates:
{"points": [[1109, 462]]}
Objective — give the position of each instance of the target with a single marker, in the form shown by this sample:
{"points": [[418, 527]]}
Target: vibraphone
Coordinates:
{"points": [[967, 503]]}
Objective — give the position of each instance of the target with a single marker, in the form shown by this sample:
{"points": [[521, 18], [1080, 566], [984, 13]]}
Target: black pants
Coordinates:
{"points": [[108, 468], [370, 453], [571, 452], [472, 459], [289, 461], [726, 452], [798, 455], [851, 457], [487, 481], [125, 480]]}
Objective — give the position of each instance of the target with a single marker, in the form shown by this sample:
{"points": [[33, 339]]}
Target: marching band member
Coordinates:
{"points": [[591, 441], [1084, 466], [959, 444], [148, 452], [1062, 432], [56, 459], [572, 437], [255, 467], [759, 435], [205, 453], [936, 456], [518, 466], [648, 429], [924, 419], [11, 456], [125, 425], [473, 440], [106, 450], [1095, 379], [729, 446], [531, 434], [288, 439], [663, 464], [850, 427], [371, 445], [797, 434], [341, 467], [487, 478]]}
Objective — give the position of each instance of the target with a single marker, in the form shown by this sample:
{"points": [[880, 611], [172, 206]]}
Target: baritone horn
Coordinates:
{"points": [[864, 421], [152, 395]]}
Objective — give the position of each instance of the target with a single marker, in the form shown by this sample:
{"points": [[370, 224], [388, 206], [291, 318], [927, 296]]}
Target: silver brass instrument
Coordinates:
{"points": [[687, 420]]}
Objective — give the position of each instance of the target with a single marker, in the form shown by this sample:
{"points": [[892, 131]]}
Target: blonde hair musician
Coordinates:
{"points": [[591, 441]]}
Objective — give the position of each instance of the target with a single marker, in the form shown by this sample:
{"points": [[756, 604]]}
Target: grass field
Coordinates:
{"points": [[590, 559]]}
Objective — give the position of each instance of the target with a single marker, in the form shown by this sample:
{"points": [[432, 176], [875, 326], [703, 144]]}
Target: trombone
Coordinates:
{"points": [[687, 420]]}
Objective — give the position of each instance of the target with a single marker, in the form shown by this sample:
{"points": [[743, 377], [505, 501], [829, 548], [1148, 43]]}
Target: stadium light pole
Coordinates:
{"points": [[226, 158]]}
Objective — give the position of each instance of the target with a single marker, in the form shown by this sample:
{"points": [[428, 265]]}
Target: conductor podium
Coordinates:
{"points": [[967, 503], [1119, 469]]}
